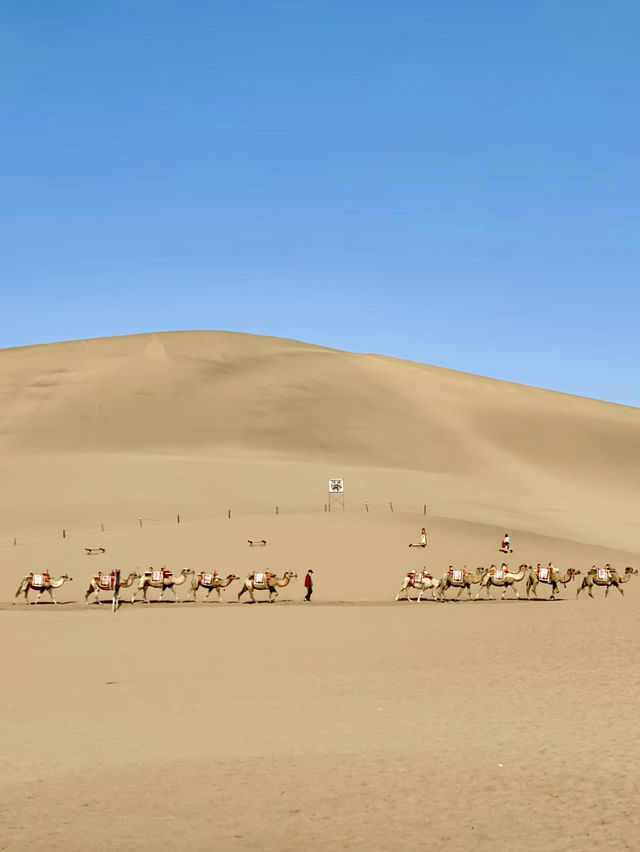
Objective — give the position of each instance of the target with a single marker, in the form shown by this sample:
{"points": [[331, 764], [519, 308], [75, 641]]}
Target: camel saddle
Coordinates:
{"points": [[603, 575], [544, 574], [457, 575], [160, 574], [39, 581], [499, 573], [262, 577], [207, 577], [419, 576], [106, 581]]}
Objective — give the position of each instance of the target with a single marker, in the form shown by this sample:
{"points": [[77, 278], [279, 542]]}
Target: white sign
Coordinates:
{"points": [[336, 486]]}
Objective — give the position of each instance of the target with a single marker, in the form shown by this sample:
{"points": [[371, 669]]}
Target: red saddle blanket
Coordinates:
{"points": [[158, 575], [207, 578], [419, 576], [106, 581], [39, 581]]}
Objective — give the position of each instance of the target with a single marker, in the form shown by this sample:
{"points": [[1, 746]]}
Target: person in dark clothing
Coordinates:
{"points": [[308, 584]]}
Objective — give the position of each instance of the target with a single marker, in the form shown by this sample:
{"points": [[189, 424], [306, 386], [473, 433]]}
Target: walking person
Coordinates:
{"points": [[308, 584]]}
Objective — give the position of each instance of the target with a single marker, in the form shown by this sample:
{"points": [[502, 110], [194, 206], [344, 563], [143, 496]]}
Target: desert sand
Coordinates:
{"points": [[353, 722]]}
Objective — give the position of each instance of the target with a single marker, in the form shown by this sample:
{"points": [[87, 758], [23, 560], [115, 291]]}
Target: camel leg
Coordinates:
{"points": [[620, 589]]}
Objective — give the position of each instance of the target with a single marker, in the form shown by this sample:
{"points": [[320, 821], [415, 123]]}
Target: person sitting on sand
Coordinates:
{"points": [[423, 539]]}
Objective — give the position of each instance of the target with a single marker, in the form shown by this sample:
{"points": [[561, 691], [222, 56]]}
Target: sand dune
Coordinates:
{"points": [[158, 421], [354, 722]]}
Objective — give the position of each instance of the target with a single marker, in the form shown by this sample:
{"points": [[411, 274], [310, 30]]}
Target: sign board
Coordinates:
{"points": [[336, 486]]}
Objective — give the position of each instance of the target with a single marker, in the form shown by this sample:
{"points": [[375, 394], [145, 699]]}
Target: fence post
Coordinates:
{"points": [[140, 521], [277, 511], [391, 505], [64, 533], [102, 527], [229, 513], [366, 505], [178, 517], [325, 507], [425, 508], [15, 541]]}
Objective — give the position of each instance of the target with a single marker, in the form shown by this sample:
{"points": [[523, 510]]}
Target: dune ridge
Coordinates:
{"points": [[266, 420]]}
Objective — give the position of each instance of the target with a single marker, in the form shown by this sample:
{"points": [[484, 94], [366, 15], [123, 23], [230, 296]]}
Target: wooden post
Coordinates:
{"points": [[15, 541], [325, 507], [277, 512], [64, 533], [140, 521], [425, 508], [229, 513], [178, 517], [102, 527], [391, 505], [366, 505]]}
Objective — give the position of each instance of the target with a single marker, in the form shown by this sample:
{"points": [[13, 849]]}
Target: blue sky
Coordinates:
{"points": [[450, 182]]}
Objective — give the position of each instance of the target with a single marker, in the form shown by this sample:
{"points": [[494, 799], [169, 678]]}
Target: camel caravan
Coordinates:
{"points": [[504, 578], [423, 582], [158, 579]]}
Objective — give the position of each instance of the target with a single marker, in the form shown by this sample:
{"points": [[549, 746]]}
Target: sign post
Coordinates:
{"points": [[336, 495]]}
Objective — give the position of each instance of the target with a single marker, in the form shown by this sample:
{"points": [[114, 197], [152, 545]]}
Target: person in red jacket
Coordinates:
{"points": [[308, 584]]}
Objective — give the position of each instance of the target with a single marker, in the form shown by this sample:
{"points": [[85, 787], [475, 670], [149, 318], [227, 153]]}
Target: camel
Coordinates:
{"points": [[502, 577], [105, 583], [421, 581], [40, 583], [210, 581], [460, 579], [266, 582], [160, 579], [551, 577], [610, 578]]}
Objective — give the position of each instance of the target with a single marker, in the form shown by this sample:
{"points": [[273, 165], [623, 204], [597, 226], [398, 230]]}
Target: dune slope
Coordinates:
{"points": [[267, 420]]}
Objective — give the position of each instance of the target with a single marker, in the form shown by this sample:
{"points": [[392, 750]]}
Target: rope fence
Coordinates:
{"points": [[143, 521]]}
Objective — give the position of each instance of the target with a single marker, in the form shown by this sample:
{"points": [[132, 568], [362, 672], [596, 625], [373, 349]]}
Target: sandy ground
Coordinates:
{"points": [[457, 726], [353, 722]]}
